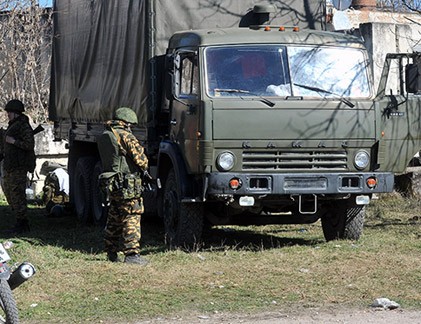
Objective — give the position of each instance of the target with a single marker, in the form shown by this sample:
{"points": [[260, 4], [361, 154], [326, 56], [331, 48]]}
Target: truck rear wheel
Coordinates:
{"points": [[183, 221], [83, 188], [99, 213], [343, 220]]}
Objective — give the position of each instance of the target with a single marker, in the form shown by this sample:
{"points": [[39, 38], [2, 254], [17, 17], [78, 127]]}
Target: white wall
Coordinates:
{"points": [[383, 32]]}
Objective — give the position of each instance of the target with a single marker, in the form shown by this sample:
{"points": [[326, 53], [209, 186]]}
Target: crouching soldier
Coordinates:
{"points": [[123, 161]]}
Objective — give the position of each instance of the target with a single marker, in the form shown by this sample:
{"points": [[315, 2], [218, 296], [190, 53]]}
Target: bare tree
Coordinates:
{"points": [[400, 5], [25, 51]]}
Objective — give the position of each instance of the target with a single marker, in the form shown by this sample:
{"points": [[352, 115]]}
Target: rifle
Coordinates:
{"points": [[148, 181], [38, 129], [35, 131]]}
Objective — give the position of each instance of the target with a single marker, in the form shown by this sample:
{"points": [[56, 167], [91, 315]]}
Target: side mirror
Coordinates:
{"points": [[172, 76], [169, 62], [413, 79]]}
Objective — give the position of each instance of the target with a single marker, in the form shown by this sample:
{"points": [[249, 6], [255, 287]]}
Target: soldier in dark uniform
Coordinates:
{"points": [[17, 150], [123, 161]]}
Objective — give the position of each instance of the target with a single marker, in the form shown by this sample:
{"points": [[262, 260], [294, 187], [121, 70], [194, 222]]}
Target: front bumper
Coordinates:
{"points": [[299, 183]]}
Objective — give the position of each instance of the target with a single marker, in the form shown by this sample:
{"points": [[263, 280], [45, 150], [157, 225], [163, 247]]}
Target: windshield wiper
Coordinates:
{"points": [[231, 90], [316, 89], [262, 99]]}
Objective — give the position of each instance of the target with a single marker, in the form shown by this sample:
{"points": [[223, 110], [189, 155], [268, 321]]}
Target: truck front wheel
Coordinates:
{"points": [[183, 221], [343, 220]]}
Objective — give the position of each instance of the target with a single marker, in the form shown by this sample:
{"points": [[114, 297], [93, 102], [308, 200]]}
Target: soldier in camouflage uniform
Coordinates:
{"points": [[17, 151], [123, 161]]}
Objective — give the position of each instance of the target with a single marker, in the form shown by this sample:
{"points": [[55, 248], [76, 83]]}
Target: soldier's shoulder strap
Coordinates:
{"points": [[117, 136]]}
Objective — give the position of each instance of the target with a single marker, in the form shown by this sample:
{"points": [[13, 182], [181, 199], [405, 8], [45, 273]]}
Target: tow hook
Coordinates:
{"points": [[309, 211]]}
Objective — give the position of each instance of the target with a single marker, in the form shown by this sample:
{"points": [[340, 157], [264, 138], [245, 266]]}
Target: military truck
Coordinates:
{"points": [[250, 113]]}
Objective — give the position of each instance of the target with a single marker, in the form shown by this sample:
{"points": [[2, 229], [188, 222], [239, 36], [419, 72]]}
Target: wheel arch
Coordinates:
{"points": [[170, 157]]}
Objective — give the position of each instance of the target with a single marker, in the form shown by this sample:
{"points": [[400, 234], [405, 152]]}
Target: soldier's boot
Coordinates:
{"points": [[112, 256], [135, 259], [22, 226]]}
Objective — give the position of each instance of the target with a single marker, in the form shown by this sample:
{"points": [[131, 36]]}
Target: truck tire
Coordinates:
{"points": [[343, 220], [83, 188], [99, 213], [183, 222]]}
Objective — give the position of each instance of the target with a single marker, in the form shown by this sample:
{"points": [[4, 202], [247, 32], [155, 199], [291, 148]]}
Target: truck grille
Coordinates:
{"points": [[258, 160]]}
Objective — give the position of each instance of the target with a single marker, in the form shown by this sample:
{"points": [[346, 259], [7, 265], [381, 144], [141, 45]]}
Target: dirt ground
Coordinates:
{"points": [[302, 316]]}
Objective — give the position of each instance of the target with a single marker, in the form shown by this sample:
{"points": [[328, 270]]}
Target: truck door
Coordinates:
{"points": [[399, 106], [185, 108]]}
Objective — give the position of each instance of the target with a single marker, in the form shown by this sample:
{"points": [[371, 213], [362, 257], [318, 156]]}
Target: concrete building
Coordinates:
{"points": [[383, 30]]}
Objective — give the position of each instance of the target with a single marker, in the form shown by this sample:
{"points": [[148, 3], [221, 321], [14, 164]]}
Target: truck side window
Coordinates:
{"points": [[189, 76], [395, 78]]}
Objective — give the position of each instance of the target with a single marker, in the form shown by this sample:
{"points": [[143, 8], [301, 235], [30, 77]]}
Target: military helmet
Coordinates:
{"points": [[57, 211], [126, 114], [15, 106]]}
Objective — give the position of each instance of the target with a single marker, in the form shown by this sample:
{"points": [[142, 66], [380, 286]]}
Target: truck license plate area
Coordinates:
{"points": [[305, 183]]}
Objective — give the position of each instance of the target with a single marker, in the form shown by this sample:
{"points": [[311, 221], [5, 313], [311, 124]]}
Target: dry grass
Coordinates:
{"points": [[238, 269]]}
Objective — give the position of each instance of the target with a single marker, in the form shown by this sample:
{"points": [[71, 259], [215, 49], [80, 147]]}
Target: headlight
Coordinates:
{"points": [[225, 161], [361, 160]]}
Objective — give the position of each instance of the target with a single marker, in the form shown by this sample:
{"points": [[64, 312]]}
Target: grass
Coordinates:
{"points": [[237, 269]]}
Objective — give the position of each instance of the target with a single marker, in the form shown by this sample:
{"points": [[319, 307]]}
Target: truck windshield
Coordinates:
{"points": [[280, 71]]}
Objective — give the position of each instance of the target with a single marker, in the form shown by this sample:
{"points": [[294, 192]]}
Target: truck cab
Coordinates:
{"points": [[273, 123]]}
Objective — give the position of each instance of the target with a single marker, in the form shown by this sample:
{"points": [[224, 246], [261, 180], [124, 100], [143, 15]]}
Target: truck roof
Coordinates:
{"points": [[233, 36]]}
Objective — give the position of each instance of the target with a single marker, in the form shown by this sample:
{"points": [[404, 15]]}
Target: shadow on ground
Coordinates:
{"points": [[227, 237], [69, 233]]}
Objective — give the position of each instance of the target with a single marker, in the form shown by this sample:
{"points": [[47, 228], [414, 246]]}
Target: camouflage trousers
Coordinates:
{"points": [[14, 187], [123, 224]]}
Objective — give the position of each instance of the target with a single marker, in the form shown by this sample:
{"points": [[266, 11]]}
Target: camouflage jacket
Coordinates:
{"points": [[19, 155], [120, 150]]}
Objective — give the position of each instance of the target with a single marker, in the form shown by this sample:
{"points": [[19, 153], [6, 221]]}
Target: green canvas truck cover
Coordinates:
{"points": [[102, 49]]}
